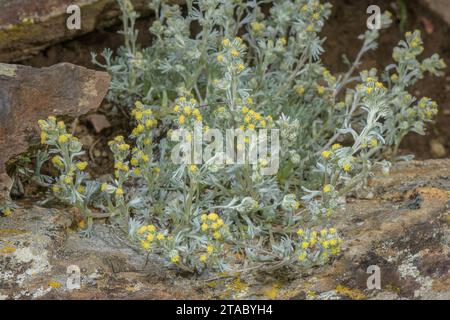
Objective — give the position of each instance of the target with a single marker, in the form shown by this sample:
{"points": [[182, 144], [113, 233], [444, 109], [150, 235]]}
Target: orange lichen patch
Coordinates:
{"points": [[353, 294], [54, 284], [7, 250]]}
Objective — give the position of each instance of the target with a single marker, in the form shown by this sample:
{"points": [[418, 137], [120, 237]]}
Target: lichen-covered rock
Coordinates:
{"points": [[28, 26], [403, 229], [28, 94]]}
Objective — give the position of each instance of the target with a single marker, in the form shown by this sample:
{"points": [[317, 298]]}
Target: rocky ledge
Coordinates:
{"points": [[403, 229]]}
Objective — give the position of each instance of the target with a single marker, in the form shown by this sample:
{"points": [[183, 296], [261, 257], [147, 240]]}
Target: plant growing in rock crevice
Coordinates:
{"points": [[248, 70]]}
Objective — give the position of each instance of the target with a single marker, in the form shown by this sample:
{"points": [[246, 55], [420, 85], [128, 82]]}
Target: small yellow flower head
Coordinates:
{"points": [[234, 53], [336, 146], [138, 115], [145, 244], [151, 228], [300, 232], [175, 259], [333, 242], [326, 154], [215, 226], [213, 216], [156, 170], [310, 28], [225, 42], [257, 26], [249, 100], [327, 188], [142, 230], [240, 67], [204, 227], [56, 160], [103, 187], [332, 230], [63, 138], [192, 168], [369, 90], [119, 191], [82, 165], [150, 237], [305, 245], [56, 189], [373, 143], [203, 258], [245, 109], [320, 89], [160, 237], [134, 162], [346, 167], [187, 110], [220, 58], [394, 77], [176, 108], [300, 90], [302, 256], [138, 104], [43, 137], [68, 180], [210, 248], [181, 119], [81, 189], [203, 217], [136, 171], [325, 244], [140, 128], [61, 125], [323, 232], [217, 235]]}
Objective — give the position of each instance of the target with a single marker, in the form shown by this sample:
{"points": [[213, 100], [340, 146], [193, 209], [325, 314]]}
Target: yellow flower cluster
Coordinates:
{"points": [[231, 56], [212, 224], [121, 152], [53, 133], [257, 27], [371, 86], [145, 122], [148, 236], [426, 108], [252, 119], [188, 112], [326, 241]]}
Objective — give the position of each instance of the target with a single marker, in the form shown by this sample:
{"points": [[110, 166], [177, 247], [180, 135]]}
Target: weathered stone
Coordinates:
{"points": [[440, 7], [28, 94], [28, 26], [99, 122], [404, 230]]}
